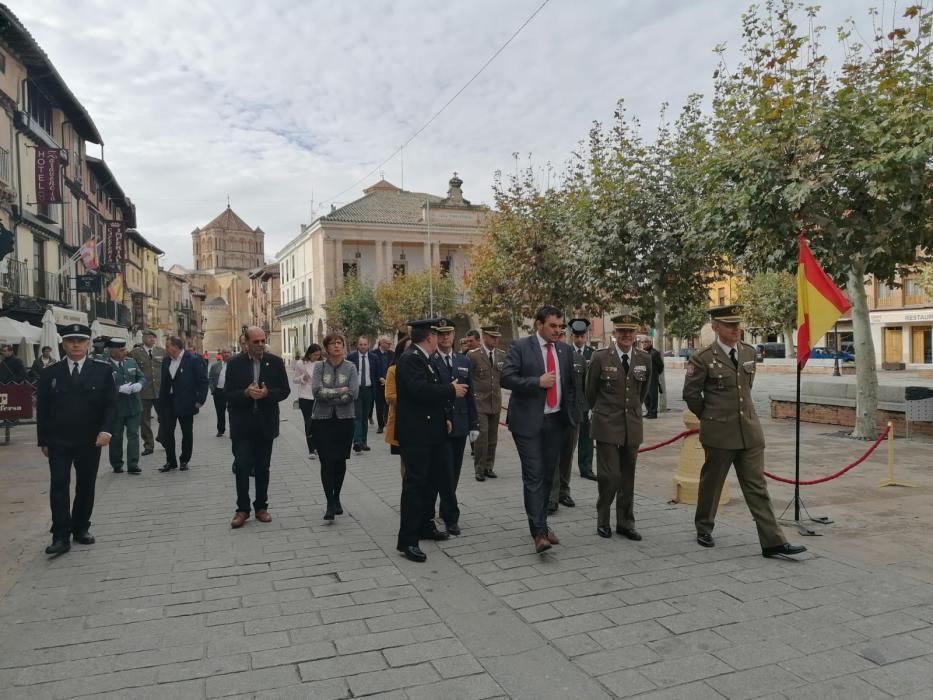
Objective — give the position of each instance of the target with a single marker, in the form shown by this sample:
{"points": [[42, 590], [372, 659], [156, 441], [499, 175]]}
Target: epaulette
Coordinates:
{"points": [[600, 351]]}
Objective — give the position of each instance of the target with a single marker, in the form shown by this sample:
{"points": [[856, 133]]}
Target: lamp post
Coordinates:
{"points": [[836, 372]]}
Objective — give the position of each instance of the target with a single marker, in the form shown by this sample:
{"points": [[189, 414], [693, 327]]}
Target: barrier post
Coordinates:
{"points": [[689, 464], [891, 480]]}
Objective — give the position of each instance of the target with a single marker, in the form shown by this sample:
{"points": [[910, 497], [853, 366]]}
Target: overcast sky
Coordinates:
{"points": [[269, 102]]}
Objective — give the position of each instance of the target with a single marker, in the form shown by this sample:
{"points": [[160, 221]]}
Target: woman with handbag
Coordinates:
{"points": [[336, 384], [391, 393], [304, 369]]}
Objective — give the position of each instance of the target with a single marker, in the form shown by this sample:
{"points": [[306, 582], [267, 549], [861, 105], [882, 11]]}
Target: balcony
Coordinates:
{"points": [[111, 311], [46, 285], [14, 276], [292, 307]]}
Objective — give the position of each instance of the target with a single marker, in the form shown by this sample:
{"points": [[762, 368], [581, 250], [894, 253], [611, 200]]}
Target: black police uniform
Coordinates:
{"points": [[70, 413]]}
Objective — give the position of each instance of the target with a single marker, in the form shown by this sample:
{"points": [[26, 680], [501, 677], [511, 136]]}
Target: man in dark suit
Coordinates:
{"points": [[421, 431], [12, 368], [255, 384], [368, 367], [539, 372], [461, 414], [182, 392], [216, 382], [75, 406], [657, 369], [384, 355]]}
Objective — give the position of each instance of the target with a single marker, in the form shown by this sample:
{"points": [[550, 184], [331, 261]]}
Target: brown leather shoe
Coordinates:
{"points": [[541, 544], [263, 516], [552, 537], [239, 519]]}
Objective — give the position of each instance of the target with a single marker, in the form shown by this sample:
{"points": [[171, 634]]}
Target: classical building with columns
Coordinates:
{"points": [[387, 232]]}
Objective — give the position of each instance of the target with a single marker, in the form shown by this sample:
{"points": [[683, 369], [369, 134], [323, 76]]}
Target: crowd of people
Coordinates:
{"points": [[429, 402]]}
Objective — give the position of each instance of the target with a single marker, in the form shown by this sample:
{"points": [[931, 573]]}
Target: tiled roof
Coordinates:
{"points": [[384, 207], [227, 220]]}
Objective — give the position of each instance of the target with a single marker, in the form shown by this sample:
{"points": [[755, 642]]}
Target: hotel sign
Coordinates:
{"points": [[48, 175]]}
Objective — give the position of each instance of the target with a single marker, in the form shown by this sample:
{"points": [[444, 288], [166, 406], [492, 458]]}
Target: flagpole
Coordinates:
{"points": [[797, 454]]}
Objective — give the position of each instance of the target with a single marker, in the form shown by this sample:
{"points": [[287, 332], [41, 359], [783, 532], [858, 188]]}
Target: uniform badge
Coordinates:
{"points": [[691, 368], [749, 366], [640, 373]]}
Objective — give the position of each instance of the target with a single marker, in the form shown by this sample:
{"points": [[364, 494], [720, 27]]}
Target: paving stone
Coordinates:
{"points": [[203, 668], [912, 676], [255, 680], [391, 679], [602, 662], [635, 633], [374, 641], [478, 687], [684, 670], [690, 691], [827, 664], [846, 688], [293, 654], [624, 684], [456, 666], [755, 683], [575, 624], [342, 666], [892, 649], [748, 656], [424, 651]]}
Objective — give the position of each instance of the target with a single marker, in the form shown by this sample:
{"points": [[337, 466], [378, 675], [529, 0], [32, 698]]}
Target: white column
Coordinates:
{"points": [[389, 259], [380, 264], [427, 255], [338, 263], [437, 256]]}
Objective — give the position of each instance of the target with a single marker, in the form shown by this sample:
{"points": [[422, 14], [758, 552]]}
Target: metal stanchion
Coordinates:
{"points": [[891, 480]]}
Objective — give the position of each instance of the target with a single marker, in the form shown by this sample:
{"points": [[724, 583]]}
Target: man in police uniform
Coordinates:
{"points": [[616, 385], [129, 381], [421, 431], [99, 347], [718, 389], [75, 405], [486, 364], [579, 328], [149, 359]]}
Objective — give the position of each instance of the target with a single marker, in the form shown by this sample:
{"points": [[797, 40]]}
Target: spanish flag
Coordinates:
{"points": [[819, 303], [115, 288]]}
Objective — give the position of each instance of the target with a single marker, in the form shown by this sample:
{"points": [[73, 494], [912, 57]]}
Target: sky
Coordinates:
{"points": [[283, 105]]}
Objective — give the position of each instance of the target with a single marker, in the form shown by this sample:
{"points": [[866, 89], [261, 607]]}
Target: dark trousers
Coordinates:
{"points": [[333, 472], [68, 518], [423, 471], [651, 400], [381, 406], [252, 453], [167, 421], [539, 455], [364, 406], [220, 405], [585, 447], [150, 406], [446, 481], [307, 406], [560, 485]]}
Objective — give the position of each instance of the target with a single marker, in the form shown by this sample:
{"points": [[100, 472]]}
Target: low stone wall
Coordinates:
{"points": [[845, 416]]}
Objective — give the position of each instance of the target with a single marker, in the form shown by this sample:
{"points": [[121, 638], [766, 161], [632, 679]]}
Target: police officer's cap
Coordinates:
{"points": [[491, 330], [731, 313], [578, 326], [116, 343], [626, 322], [75, 330], [430, 324], [100, 340]]}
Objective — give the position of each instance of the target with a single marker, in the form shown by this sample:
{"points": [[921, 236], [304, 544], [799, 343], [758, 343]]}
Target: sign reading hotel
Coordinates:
{"points": [[115, 243], [48, 176]]}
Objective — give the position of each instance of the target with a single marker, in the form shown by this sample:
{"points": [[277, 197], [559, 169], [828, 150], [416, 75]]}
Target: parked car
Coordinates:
{"points": [[819, 353], [766, 350], [685, 352], [848, 347]]}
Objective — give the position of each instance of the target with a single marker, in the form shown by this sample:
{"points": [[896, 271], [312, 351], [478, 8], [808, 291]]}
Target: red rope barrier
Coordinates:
{"points": [[842, 471], [668, 442]]}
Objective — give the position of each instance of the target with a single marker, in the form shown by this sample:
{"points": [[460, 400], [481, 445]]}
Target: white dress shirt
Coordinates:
{"points": [[365, 375], [622, 353], [80, 363], [543, 344], [727, 349], [222, 378], [174, 364]]}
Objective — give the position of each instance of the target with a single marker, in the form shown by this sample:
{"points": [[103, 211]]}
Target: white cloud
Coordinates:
{"points": [[266, 102]]}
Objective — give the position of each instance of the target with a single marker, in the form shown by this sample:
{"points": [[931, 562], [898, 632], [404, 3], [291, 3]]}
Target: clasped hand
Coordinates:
{"points": [[254, 391], [547, 380], [459, 389]]}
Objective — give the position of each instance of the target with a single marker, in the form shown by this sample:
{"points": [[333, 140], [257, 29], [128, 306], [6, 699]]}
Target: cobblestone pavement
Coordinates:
{"points": [[172, 603]]}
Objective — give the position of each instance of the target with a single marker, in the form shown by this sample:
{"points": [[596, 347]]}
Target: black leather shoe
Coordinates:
{"points": [[84, 537], [436, 535], [134, 470], [566, 501], [453, 530], [357, 448], [329, 513], [589, 475], [552, 509], [705, 540], [632, 534], [220, 433], [481, 477], [379, 432], [491, 475], [414, 554], [604, 532], [167, 468], [148, 451], [783, 550], [338, 509], [118, 470], [366, 448], [183, 467], [58, 547]]}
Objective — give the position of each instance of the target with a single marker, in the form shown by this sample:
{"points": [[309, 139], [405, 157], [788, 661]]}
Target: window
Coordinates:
{"points": [[721, 295], [445, 266], [4, 164], [399, 269], [886, 294], [39, 107], [2, 63], [351, 269]]}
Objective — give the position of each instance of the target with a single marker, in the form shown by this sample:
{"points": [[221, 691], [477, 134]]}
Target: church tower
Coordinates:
{"points": [[228, 243]]}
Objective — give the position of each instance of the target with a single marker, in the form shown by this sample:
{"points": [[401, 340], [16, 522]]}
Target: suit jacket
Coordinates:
{"points": [[616, 397], [151, 368], [128, 404], [213, 375], [487, 376], [460, 412], [69, 412], [422, 398], [524, 364], [374, 370], [385, 361], [720, 394], [657, 365], [249, 415], [187, 389], [12, 369]]}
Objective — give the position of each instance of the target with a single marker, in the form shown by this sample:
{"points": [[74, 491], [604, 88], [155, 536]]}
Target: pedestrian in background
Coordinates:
{"points": [[75, 405], [44, 360], [129, 380], [217, 382], [367, 368], [336, 387], [304, 369], [654, 386], [256, 383], [486, 363], [384, 357], [12, 368], [183, 392], [392, 400], [149, 358]]}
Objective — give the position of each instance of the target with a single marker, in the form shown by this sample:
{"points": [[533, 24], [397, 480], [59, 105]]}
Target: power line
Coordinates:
{"points": [[441, 110]]}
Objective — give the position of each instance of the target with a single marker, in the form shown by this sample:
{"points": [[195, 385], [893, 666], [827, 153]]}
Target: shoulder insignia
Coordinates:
{"points": [[106, 363]]}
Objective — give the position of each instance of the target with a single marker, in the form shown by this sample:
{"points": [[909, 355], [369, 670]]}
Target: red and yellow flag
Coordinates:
{"points": [[820, 303], [115, 288]]}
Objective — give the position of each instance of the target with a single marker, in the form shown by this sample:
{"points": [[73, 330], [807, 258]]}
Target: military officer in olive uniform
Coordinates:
{"points": [[486, 364], [129, 381], [616, 386], [584, 439], [148, 358], [75, 405], [718, 389]]}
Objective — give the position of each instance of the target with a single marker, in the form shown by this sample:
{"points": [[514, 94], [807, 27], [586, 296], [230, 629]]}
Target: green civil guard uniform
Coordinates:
{"points": [[128, 414]]}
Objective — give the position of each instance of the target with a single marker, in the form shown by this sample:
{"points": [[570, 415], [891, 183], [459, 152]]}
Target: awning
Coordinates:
{"points": [[14, 332], [64, 316], [98, 328]]}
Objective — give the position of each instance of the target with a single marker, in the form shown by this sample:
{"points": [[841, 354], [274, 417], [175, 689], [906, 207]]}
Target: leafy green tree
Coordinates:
{"points": [[687, 323], [924, 278], [770, 300], [419, 295], [353, 310]]}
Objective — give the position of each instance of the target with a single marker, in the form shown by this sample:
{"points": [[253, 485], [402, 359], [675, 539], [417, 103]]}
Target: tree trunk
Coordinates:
{"points": [[659, 340], [790, 347], [866, 375]]}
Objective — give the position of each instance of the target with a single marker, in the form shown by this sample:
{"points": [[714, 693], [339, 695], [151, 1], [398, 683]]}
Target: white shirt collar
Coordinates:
{"points": [[80, 362], [727, 348], [622, 352]]}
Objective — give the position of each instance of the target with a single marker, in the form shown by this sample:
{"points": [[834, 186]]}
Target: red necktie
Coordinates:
{"points": [[551, 367]]}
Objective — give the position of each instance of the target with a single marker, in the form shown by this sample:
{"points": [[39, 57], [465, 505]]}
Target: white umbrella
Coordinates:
{"points": [[96, 330], [138, 338], [11, 333], [49, 335]]}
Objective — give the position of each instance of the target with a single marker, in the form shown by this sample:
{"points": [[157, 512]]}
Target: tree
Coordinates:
{"points": [[770, 300], [689, 321], [409, 297], [924, 278], [353, 310]]}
